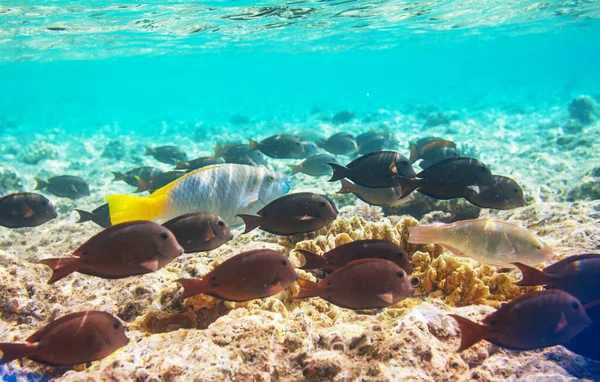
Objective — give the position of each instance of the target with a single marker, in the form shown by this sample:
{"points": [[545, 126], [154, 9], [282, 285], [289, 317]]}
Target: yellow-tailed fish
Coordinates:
{"points": [[488, 241], [225, 190]]}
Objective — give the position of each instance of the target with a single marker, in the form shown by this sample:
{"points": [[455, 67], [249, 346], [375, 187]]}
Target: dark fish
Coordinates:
{"points": [[342, 117], [250, 275], [576, 275], [145, 173], [310, 148], [377, 143], [123, 250], [365, 137], [317, 165], [532, 321], [25, 209], [586, 342], [199, 231], [158, 181], [381, 196], [76, 338], [340, 144], [361, 284], [449, 179], [100, 216], [420, 148], [434, 156], [197, 163], [356, 250], [167, 154], [66, 186], [239, 120], [505, 194], [375, 169], [279, 146], [239, 154], [294, 213]]}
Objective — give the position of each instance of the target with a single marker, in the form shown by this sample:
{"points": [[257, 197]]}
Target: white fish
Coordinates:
{"points": [[225, 190]]}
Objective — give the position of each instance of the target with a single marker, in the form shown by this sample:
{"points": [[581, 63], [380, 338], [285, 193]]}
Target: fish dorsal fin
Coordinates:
{"points": [[387, 297]]}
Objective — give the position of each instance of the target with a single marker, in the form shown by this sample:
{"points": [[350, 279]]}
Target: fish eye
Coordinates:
{"points": [[323, 204], [400, 254], [164, 235], [538, 247], [515, 190], [44, 203], [283, 262], [415, 282], [493, 322], [116, 325], [271, 178], [575, 305], [220, 223], [84, 253], [400, 275], [404, 163]]}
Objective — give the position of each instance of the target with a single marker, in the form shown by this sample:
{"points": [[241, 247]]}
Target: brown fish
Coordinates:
{"points": [[167, 154], [25, 209], [505, 194], [66, 186], [199, 231], [376, 169], [100, 216], [250, 275], [361, 284], [279, 146], [123, 250], [356, 250], [424, 146], [586, 342], [532, 321], [377, 196], [294, 213], [72, 339]]}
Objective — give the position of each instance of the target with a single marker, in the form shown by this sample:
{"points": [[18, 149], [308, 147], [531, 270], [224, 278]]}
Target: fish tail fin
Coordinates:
{"points": [[531, 275], [253, 144], [219, 150], [308, 289], [339, 172], [84, 216], [40, 184], [118, 176], [148, 151], [142, 185], [470, 332], [191, 287], [423, 235], [181, 165], [251, 221], [347, 187], [61, 267], [10, 351], [311, 260], [408, 185], [414, 153], [125, 208], [295, 168]]}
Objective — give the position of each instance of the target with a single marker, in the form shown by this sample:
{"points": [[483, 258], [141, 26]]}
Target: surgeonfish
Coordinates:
{"points": [[99, 215], [225, 190], [66, 186], [25, 209]]}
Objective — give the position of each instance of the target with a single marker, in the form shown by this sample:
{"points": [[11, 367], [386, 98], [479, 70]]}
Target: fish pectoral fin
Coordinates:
{"points": [[151, 265], [454, 251], [387, 297], [561, 324], [304, 218], [27, 211], [249, 200], [210, 235]]}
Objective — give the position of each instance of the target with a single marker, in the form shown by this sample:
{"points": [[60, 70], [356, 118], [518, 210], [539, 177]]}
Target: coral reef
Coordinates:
{"points": [[588, 187], [582, 108], [9, 180], [38, 151]]}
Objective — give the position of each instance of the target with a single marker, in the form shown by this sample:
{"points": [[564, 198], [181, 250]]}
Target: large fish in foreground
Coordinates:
{"points": [[225, 190]]}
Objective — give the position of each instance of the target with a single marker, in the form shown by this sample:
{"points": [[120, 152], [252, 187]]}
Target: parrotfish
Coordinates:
{"points": [[381, 196], [130, 177], [66, 186], [340, 144], [492, 242], [578, 275], [294, 213], [123, 250], [532, 321], [356, 250], [167, 154], [279, 146], [361, 284], [225, 190], [197, 163], [100, 216], [376, 169], [586, 342], [316, 165], [25, 209], [72, 339], [504, 194], [250, 275], [199, 231]]}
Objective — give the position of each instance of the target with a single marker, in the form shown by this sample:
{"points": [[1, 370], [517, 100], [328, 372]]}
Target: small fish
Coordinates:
{"points": [[310, 148], [294, 213], [250, 275], [586, 342], [225, 190], [532, 321], [167, 154], [361, 284], [199, 231], [25, 209], [197, 163], [130, 177], [65, 186], [158, 181], [123, 250], [375, 169], [365, 137], [76, 338], [239, 154], [100, 216], [425, 146], [381, 196], [343, 116], [375, 144], [356, 250], [449, 179], [488, 241], [279, 146], [440, 154], [576, 275], [505, 194], [340, 144], [239, 120], [317, 165]]}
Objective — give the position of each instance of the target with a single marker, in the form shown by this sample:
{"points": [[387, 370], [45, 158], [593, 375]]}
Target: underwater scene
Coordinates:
{"points": [[299, 190]]}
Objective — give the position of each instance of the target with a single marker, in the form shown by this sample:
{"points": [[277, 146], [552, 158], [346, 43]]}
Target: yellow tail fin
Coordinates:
{"points": [[124, 208]]}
